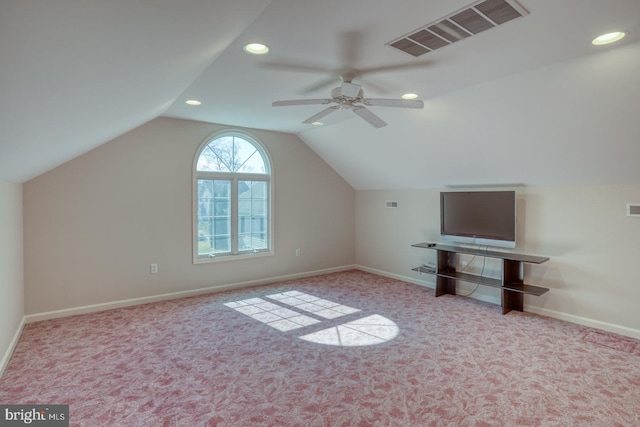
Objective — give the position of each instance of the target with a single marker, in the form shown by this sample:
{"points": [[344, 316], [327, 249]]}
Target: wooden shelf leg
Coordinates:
{"points": [[445, 286], [512, 301]]}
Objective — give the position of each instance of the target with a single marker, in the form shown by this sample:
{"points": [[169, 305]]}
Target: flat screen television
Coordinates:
{"points": [[479, 217]]}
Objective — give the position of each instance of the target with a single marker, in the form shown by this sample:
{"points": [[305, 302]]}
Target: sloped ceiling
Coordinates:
{"points": [[74, 74], [529, 102]]}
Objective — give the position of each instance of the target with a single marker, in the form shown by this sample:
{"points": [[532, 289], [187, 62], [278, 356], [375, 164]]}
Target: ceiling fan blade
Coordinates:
{"points": [[396, 67], [321, 114], [301, 102], [350, 45], [403, 103], [297, 67], [322, 84], [369, 117], [372, 85]]}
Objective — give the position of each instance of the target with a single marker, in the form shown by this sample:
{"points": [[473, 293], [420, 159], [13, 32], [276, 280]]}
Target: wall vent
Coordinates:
{"points": [[391, 204], [633, 209], [471, 20]]}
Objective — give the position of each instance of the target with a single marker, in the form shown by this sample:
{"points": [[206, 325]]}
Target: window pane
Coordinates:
{"points": [[221, 188], [231, 154], [214, 218], [222, 244], [213, 159], [248, 159], [221, 226], [221, 207], [252, 216], [258, 207]]}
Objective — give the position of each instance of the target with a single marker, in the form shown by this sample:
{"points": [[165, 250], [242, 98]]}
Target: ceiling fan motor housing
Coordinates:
{"points": [[348, 90]]}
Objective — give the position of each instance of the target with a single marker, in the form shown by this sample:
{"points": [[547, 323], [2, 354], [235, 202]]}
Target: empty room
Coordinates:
{"points": [[328, 213]]}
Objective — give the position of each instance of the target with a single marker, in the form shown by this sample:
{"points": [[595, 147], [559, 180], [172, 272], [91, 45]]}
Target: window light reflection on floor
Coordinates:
{"points": [[318, 306], [370, 330], [272, 314]]}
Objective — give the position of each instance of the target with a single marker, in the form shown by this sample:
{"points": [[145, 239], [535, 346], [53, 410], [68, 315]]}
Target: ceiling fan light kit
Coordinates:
{"points": [[349, 90], [350, 96]]}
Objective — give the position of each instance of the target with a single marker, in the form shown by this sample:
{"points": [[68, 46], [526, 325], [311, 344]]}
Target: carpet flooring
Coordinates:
{"points": [[343, 349]]}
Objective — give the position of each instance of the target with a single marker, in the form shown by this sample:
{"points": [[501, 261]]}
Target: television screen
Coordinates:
{"points": [[480, 217]]}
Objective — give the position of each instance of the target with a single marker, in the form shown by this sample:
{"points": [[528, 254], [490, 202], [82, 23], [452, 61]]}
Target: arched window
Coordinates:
{"points": [[232, 198]]}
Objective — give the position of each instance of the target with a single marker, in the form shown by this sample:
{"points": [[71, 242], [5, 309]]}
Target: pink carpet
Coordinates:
{"points": [[344, 349]]}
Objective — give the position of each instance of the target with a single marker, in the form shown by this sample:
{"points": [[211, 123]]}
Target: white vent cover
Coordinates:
{"points": [[471, 20], [633, 209], [391, 204]]}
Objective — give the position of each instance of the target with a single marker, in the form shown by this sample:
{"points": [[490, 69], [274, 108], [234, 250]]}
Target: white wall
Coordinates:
{"points": [[94, 225], [593, 248], [11, 268]]}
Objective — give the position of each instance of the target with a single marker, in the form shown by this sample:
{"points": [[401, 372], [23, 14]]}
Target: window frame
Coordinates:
{"points": [[234, 178]]}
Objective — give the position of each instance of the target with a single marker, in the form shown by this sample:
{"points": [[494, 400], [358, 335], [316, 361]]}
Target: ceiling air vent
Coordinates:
{"points": [[471, 20], [633, 209]]}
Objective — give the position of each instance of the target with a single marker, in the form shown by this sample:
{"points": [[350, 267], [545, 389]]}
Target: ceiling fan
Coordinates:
{"points": [[350, 96]]}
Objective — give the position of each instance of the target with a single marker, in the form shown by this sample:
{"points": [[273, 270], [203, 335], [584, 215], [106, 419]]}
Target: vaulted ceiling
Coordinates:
{"points": [[530, 101]]}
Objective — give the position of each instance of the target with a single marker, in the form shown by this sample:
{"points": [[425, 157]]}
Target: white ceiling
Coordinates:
{"points": [[530, 102]]}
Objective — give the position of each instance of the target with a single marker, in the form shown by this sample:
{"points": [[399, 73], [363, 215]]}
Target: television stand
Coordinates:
{"points": [[511, 283]]}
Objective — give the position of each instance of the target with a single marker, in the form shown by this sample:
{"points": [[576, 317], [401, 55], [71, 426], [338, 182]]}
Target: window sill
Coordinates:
{"points": [[222, 258]]}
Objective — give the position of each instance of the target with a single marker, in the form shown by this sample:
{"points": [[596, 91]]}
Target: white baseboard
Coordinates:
{"points": [[12, 346], [428, 283], [175, 295], [592, 323], [584, 321]]}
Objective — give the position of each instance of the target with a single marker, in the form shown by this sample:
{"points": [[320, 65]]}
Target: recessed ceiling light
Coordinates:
{"points": [[256, 48], [192, 102], [608, 38], [410, 96], [317, 123]]}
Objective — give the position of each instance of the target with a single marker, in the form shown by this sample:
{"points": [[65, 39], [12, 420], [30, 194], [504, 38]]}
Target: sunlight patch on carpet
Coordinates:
{"points": [[370, 330], [272, 314], [309, 303]]}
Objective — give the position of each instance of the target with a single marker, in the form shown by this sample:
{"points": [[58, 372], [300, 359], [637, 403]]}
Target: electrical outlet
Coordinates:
{"points": [[297, 252], [154, 268]]}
